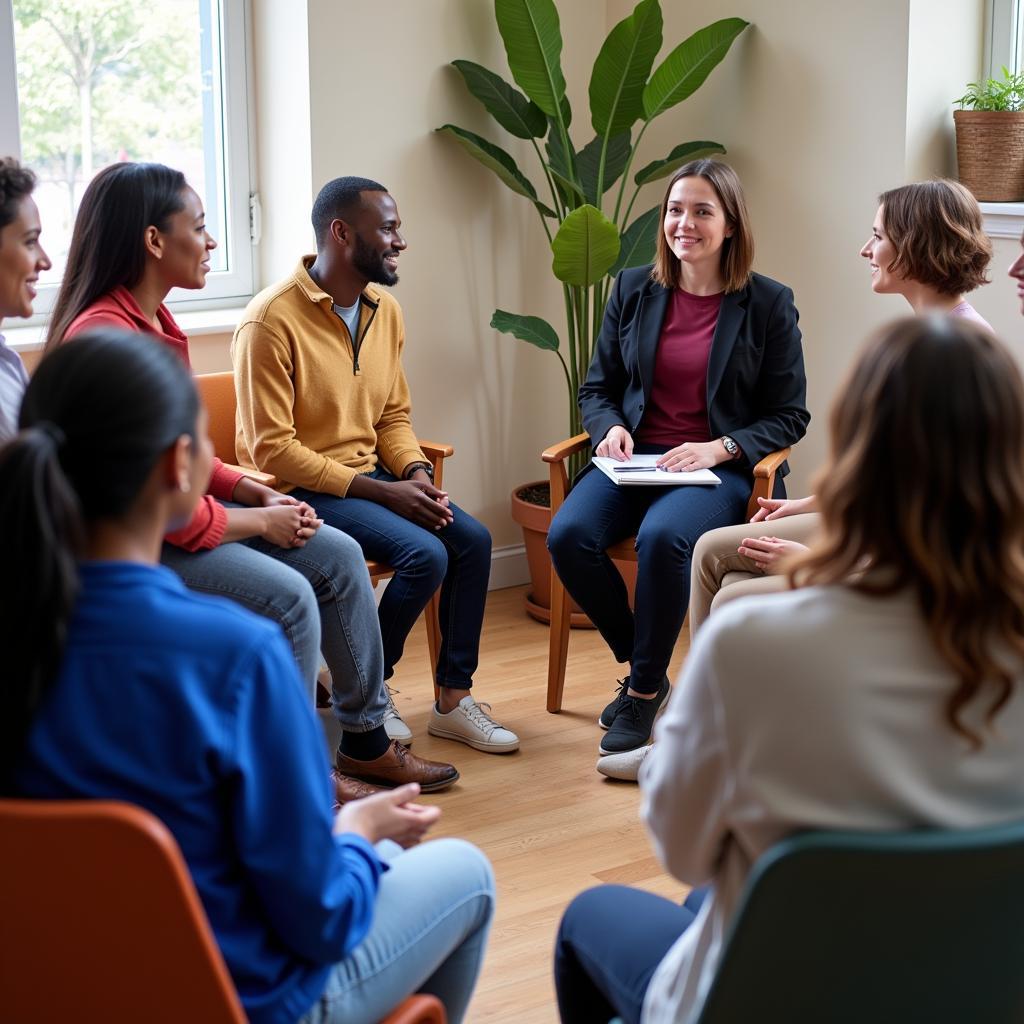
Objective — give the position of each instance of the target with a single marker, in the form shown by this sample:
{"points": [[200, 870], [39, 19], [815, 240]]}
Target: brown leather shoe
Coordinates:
{"points": [[346, 789], [398, 766]]}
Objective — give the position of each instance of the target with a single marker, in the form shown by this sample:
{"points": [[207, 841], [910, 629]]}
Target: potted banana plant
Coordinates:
{"points": [[587, 193]]}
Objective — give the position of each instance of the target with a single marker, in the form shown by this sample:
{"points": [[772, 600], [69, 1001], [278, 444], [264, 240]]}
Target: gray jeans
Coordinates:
{"points": [[320, 595]]}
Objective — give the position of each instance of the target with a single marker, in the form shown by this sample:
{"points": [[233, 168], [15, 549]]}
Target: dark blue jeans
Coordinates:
{"points": [[457, 559], [667, 522], [609, 943]]}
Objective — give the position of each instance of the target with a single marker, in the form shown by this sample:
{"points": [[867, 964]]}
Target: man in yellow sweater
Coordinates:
{"points": [[323, 404]]}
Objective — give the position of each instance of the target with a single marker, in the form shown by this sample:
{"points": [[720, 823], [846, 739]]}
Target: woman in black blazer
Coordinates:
{"points": [[699, 361]]}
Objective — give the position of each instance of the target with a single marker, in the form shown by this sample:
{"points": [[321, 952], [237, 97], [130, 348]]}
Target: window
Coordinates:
{"points": [[1004, 37], [85, 83]]}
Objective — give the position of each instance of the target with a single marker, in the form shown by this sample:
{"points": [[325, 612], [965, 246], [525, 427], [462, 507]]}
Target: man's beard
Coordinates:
{"points": [[371, 264]]}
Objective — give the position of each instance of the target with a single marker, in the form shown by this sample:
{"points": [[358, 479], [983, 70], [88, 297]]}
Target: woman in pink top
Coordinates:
{"points": [[927, 244], [140, 232]]}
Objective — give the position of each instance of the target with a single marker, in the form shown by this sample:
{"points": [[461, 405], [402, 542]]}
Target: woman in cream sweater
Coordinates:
{"points": [[883, 693]]}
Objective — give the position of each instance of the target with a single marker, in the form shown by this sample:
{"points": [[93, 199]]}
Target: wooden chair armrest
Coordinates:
{"points": [[433, 450], [561, 451], [764, 478], [267, 479], [437, 453], [771, 462]]}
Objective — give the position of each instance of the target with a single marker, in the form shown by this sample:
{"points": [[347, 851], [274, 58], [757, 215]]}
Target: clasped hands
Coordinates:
{"points": [[767, 552], [685, 458], [391, 815]]}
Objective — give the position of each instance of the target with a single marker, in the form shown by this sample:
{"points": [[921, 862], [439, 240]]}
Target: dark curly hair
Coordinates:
{"points": [[16, 182], [936, 228]]}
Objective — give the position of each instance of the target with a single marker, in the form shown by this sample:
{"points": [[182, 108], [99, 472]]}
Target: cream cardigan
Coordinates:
{"points": [[819, 708]]}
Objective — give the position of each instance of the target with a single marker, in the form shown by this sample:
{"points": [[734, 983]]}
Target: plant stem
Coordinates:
{"points": [[625, 173], [556, 198]]}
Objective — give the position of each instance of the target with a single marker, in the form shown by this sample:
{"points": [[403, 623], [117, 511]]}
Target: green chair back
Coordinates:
{"points": [[852, 928]]}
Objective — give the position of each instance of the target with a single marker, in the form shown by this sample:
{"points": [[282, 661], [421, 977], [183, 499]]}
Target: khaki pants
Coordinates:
{"points": [[720, 574]]}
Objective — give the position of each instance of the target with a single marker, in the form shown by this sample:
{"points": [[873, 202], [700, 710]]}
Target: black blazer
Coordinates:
{"points": [[756, 387]]}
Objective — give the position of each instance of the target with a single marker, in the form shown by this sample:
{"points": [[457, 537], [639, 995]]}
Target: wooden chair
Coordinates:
{"points": [[218, 393], [100, 921], [625, 551]]}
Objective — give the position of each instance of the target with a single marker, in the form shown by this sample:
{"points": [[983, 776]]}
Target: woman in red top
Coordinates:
{"points": [[698, 363], [140, 232]]}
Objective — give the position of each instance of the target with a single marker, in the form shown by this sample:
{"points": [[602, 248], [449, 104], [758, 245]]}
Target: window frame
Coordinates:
{"points": [[1004, 37], [227, 288]]}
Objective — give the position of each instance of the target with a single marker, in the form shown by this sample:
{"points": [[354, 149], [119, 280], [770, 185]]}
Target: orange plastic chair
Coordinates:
{"points": [[625, 551], [100, 921], [218, 393]]}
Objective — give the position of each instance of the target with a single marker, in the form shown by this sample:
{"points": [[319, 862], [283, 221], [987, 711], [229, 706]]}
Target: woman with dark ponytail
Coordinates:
{"points": [[140, 232], [121, 684]]}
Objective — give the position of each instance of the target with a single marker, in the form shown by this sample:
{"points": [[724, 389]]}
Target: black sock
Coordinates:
{"points": [[365, 746]]}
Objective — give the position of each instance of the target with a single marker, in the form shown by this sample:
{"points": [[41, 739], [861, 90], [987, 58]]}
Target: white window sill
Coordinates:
{"points": [[194, 323], [1003, 220]]}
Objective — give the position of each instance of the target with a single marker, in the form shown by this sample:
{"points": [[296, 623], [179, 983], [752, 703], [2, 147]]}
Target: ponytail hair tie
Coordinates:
{"points": [[53, 432]]}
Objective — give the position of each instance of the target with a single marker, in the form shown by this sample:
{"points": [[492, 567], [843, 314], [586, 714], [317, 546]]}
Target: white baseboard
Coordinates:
{"points": [[508, 567]]}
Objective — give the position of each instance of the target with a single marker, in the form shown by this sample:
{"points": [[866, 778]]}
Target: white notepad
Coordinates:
{"points": [[641, 470]]}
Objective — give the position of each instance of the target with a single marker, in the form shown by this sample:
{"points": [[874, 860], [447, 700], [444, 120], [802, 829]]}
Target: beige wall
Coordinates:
{"points": [[811, 106], [820, 105]]}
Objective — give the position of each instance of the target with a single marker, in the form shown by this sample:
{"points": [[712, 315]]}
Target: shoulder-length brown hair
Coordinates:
{"points": [[738, 250], [936, 230], [924, 489]]}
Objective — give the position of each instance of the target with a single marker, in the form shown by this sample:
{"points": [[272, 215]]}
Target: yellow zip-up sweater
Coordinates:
{"points": [[315, 406]]}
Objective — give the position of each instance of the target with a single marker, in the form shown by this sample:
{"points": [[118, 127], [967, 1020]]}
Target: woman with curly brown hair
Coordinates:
{"points": [[928, 244], [22, 260], [884, 693]]}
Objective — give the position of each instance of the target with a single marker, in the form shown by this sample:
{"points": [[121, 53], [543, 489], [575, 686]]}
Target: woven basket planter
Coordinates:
{"points": [[990, 154]]}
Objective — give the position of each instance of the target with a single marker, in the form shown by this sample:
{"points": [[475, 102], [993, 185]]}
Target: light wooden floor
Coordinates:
{"points": [[549, 823]]}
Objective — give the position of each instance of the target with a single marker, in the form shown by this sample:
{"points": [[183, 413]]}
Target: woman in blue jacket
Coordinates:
{"points": [[699, 361], [122, 684]]}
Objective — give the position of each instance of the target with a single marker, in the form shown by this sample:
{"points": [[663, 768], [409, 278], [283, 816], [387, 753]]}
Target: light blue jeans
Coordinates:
{"points": [[320, 595], [429, 932]]}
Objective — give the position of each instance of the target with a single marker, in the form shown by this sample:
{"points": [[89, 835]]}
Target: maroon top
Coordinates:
{"points": [[677, 410]]}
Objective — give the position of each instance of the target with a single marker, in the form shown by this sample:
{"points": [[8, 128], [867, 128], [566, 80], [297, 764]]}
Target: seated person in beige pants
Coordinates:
{"points": [[736, 561], [927, 244]]}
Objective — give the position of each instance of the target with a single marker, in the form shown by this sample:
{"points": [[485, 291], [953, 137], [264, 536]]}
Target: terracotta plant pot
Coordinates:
{"points": [[535, 518], [990, 154]]}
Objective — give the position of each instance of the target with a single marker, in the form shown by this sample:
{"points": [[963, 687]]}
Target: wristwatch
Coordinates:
{"points": [[412, 467], [730, 446]]}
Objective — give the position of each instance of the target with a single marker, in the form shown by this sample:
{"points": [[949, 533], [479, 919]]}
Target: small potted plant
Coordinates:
{"points": [[990, 138]]}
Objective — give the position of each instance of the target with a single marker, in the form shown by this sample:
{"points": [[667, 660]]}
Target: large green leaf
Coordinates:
{"points": [[589, 158], [533, 44], [560, 159], [495, 158], [562, 165], [639, 241], [571, 193], [680, 155], [683, 71], [585, 247], [621, 69], [527, 328], [508, 106]]}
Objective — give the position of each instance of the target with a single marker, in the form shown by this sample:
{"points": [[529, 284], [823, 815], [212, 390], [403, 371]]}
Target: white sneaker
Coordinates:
{"points": [[471, 724], [393, 724], [624, 766]]}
